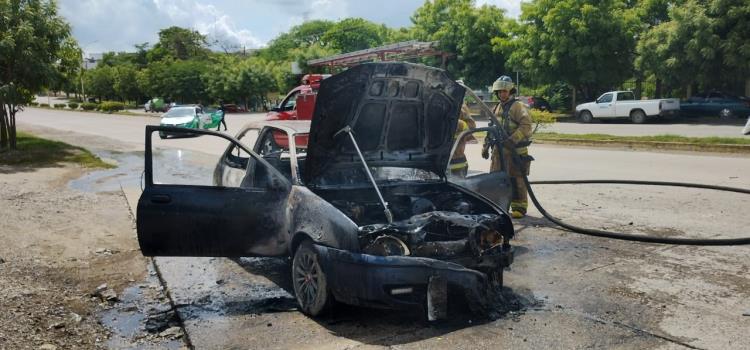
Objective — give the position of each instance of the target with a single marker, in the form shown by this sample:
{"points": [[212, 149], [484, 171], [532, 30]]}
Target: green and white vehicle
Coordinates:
{"points": [[192, 117]]}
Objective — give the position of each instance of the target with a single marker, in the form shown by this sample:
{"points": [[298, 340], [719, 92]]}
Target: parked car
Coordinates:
{"points": [[536, 102], [233, 108], [622, 104], [192, 117], [359, 198], [156, 105], [717, 104]]}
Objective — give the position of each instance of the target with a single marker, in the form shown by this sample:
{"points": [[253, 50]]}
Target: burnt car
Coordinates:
{"points": [[360, 198]]}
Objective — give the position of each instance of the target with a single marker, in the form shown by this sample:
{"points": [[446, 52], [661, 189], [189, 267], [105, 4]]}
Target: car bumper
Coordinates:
{"points": [[669, 113], [400, 281], [167, 134]]}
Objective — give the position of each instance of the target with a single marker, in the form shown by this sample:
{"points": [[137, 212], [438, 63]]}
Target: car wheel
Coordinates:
{"points": [[726, 113], [638, 117], [586, 117], [309, 280]]}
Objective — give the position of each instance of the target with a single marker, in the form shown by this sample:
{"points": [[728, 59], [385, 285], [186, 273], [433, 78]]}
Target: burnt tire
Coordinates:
{"points": [[638, 117], [310, 282], [586, 117]]}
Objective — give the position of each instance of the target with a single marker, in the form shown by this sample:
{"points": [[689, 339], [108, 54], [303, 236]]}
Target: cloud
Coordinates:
{"points": [[512, 7], [116, 25], [207, 20]]}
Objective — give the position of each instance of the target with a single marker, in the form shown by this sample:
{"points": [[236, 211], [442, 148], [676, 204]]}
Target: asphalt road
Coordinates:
{"points": [[568, 291]]}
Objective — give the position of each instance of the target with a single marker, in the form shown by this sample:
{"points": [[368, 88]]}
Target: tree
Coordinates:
{"points": [[100, 82], [184, 84], [126, 83], [301, 36], [32, 36], [153, 80], [731, 23], [179, 43], [67, 71], [466, 31], [589, 44], [247, 81], [703, 44], [352, 34]]}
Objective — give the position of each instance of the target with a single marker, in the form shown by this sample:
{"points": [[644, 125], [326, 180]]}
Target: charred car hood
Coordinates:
{"points": [[401, 114]]}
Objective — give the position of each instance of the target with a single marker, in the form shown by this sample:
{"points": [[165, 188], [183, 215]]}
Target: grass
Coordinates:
{"points": [[126, 113], [656, 138], [35, 151]]}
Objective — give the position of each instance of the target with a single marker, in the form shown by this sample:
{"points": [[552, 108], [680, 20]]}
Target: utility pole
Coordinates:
{"points": [[83, 67], [83, 63]]}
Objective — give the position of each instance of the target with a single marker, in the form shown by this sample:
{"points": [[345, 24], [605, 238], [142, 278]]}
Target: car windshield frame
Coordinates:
{"points": [[356, 176]]}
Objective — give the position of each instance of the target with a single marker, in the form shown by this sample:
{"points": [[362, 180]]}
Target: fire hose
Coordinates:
{"points": [[502, 135]]}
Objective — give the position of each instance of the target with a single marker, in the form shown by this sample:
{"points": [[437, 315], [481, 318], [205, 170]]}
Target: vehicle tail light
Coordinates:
{"points": [[531, 101]]}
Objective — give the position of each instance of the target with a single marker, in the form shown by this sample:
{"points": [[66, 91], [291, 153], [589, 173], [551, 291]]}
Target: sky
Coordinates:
{"points": [[118, 25]]}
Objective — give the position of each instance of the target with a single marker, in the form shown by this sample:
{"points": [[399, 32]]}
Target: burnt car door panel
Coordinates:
{"points": [[475, 173], [233, 164], [210, 220]]}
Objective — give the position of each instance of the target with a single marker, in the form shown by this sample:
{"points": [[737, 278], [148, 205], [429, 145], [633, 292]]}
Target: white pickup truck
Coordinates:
{"points": [[622, 104]]}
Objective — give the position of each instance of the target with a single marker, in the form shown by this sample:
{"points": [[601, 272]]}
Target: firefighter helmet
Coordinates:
{"points": [[503, 83]]}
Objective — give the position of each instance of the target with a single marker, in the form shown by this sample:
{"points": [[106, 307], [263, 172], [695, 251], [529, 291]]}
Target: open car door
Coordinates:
{"points": [[468, 169], [183, 212]]}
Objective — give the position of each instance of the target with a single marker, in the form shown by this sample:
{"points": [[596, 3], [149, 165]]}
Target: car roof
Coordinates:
{"points": [[291, 126]]}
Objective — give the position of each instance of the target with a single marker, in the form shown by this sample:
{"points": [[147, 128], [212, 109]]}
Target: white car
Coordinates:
{"points": [[622, 104]]}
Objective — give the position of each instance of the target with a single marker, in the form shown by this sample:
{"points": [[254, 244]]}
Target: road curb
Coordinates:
{"points": [[650, 145], [126, 112]]}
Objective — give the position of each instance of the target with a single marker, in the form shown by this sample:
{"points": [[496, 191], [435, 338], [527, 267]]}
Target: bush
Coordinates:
{"points": [[88, 106], [542, 119], [73, 105], [111, 106], [60, 105], [75, 100], [33, 104]]}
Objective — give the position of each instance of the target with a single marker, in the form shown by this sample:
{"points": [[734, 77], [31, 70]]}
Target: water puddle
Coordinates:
{"points": [[138, 318], [173, 166]]}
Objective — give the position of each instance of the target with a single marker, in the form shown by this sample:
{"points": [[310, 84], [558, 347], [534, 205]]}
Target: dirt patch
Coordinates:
{"points": [[59, 244]]}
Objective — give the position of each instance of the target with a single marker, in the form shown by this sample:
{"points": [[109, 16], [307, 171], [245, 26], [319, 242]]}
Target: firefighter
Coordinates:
{"points": [[458, 164], [516, 120]]}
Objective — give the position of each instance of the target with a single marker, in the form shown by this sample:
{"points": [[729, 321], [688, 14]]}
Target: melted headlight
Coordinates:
{"points": [[387, 245]]}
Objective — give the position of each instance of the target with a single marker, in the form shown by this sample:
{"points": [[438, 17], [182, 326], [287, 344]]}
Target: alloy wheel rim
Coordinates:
{"points": [[307, 278]]}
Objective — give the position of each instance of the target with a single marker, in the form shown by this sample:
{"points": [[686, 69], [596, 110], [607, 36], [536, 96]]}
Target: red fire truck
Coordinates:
{"points": [[299, 103]]}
